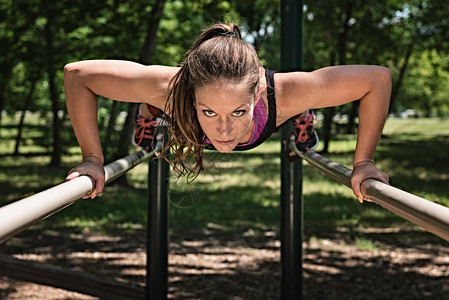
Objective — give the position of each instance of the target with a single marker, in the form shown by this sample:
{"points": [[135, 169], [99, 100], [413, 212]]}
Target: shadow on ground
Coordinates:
{"points": [[245, 265]]}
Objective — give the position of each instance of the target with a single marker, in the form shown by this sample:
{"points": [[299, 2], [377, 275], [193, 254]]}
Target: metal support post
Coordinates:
{"points": [[291, 170], [157, 231]]}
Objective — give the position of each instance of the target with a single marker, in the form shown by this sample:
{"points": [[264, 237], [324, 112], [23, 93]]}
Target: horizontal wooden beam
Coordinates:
{"points": [[58, 277]]}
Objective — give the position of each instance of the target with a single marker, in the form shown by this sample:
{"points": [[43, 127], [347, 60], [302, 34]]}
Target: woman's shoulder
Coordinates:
{"points": [[291, 89]]}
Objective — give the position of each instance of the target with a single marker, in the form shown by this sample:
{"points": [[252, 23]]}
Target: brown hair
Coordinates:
{"points": [[219, 53]]}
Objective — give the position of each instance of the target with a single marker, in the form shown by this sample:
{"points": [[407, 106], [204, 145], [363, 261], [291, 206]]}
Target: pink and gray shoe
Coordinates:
{"points": [[306, 136], [145, 129]]}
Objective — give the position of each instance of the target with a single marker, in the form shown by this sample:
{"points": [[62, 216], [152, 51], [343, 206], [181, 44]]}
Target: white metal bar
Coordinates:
{"points": [[429, 215], [19, 215]]}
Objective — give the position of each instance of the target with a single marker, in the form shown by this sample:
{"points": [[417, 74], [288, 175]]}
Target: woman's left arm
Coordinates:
{"points": [[338, 85], [373, 111]]}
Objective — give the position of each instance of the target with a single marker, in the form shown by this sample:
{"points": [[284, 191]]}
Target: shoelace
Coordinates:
{"points": [[303, 125], [143, 130]]}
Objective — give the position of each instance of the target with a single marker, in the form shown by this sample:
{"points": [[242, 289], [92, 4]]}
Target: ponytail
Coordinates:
{"points": [[218, 53]]}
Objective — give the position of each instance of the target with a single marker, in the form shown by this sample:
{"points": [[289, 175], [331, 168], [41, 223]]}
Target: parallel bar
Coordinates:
{"points": [[123, 165], [332, 169], [429, 215], [19, 215]]}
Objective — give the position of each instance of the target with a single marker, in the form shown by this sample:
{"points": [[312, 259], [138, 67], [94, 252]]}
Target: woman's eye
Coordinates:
{"points": [[238, 113], [208, 113]]}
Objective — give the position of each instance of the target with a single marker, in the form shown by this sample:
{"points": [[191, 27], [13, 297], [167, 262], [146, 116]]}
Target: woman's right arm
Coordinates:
{"points": [[118, 80]]}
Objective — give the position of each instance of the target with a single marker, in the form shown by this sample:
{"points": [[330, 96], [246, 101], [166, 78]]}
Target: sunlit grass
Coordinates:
{"points": [[365, 244], [431, 128], [241, 189]]}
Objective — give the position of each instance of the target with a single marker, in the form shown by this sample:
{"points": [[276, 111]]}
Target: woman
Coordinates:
{"points": [[222, 98]]}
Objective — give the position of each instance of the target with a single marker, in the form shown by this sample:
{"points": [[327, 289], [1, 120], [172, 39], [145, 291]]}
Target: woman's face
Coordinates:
{"points": [[225, 113]]}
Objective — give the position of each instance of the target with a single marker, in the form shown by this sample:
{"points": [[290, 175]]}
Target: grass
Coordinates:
{"points": [[239, 192], [365, 244]]}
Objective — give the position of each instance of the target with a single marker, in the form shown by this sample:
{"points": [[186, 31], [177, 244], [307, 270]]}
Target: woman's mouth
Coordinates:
{"points": [[225, 143]]}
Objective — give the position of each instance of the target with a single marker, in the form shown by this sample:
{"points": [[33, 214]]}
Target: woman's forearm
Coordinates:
{"points": [[373, 112], [82, 109]]}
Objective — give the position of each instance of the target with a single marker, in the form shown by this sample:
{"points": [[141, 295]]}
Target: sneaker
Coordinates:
{"points": [[145, 131], [307, 138]]}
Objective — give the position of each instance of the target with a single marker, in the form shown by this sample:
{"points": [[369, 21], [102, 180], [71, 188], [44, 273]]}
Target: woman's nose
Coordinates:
{"points": [[224, 127]]}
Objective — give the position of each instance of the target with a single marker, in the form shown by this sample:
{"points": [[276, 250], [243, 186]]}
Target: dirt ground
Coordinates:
{"points": [[400, 264]]}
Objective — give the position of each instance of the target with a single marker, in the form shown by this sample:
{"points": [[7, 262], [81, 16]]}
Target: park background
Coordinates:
{"points": [[224, 228]]}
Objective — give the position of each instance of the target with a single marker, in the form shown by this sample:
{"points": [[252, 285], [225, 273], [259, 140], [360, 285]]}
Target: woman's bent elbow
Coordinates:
{"points": [[73, 77], [71, 68], [384, 74]]}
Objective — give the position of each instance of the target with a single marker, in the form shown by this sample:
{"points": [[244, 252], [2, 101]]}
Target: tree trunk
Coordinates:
{"points": [[327, 128], [149, 45], [127, 131], [2, 100], [400, 80], [53, 92], [341, 52], [110, 128], [22, 117], [350, 128], [146, 57]]}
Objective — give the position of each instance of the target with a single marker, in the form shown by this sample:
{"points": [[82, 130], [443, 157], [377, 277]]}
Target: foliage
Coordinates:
{"points": [[377, 33], [428, 79], [39, 37]]}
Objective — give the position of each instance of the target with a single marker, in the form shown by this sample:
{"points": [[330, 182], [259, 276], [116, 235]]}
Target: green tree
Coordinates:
{"points": [[16, 18], [423, 26], [146, 57], [428, 84], [388, 33]]}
